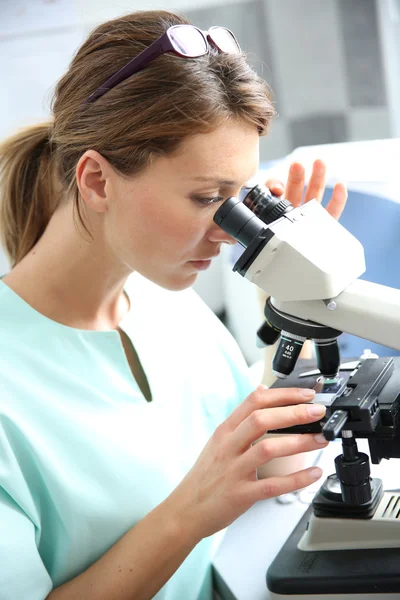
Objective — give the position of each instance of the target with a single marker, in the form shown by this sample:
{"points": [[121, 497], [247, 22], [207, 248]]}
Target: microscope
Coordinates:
{"points": [[348, 541]]}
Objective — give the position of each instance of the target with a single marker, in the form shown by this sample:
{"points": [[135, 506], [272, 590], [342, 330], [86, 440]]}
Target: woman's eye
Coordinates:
{"points": [[207, 201]]}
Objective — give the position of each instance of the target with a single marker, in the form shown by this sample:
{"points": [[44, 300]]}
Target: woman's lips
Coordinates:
{"points": [[201, 265]]}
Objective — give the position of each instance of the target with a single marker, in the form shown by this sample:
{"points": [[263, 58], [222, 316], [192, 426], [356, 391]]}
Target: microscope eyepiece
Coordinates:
{"points": [[245, 218], [239, 221]]}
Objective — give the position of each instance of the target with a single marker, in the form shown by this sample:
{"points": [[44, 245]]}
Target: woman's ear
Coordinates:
{"points": [[91, 173]]}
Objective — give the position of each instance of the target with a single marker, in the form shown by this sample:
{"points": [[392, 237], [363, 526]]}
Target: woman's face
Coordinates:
{"points": [[160, 223]]}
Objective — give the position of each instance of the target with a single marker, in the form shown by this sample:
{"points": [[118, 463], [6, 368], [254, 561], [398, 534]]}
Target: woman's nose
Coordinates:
{"points": [[216, 234]]}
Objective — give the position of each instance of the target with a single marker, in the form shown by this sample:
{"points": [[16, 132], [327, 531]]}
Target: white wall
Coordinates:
{"points": [[96, 11], [389, 21], [37, 39]]}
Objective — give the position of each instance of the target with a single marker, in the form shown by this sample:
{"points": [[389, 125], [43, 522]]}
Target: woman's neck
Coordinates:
{"points": [[70, 278]]}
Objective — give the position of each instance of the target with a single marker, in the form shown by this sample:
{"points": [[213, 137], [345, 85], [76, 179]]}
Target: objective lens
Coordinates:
{"points": [[286, 354], [327, 354], [265, 205], [267, 335]]}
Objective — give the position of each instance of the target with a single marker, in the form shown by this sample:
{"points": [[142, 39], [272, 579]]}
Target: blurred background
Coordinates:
{"points": [[334, 69]]}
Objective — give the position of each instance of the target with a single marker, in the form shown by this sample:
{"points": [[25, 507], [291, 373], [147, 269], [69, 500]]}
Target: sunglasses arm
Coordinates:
{"points": [[138, 63]]}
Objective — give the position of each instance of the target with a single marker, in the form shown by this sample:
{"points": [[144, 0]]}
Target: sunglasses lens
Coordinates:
{"points": [[188, 41], [224, 40]]}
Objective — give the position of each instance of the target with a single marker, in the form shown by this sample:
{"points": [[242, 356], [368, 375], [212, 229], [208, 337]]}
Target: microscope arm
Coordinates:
{"points": [[364, 309]]}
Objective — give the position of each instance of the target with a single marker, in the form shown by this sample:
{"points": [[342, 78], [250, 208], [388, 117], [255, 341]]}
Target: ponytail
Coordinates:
{"points": [[28, 189]]}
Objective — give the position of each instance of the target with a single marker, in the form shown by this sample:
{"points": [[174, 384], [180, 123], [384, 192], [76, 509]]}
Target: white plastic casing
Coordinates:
{"points": [[311, 256], [312, 259]]}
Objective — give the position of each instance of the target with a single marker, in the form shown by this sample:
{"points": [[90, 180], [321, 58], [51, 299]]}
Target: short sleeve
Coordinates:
{"points": [[22, 572]]}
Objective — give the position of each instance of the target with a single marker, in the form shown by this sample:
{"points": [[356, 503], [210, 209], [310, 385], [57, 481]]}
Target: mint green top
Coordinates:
{"points": [[83, 455]]}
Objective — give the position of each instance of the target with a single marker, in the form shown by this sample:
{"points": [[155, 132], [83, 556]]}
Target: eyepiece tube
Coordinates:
{"points": [[238, 220]]}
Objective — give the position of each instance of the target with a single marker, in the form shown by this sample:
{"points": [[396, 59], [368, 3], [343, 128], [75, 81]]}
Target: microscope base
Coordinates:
{"points": [[381, 531], [329, 573]]}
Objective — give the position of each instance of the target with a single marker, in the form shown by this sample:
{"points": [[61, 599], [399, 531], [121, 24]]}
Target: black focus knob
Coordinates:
{"points": [[354, 477], [356, 495]]}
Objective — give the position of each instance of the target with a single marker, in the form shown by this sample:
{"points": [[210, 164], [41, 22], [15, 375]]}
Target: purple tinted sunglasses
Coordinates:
{"points": [[186, 41]]}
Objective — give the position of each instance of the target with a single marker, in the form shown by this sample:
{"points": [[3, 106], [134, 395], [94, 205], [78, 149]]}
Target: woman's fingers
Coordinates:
{"points": [[316, 188], [270, 448], [275, 186], [276, 486], [295, 184], [316, 185], [337, 203], [269, 419], [263, 397]]}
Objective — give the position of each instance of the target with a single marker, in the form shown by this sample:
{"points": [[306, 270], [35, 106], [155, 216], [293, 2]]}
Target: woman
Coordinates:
{"points": [[127, 420]]}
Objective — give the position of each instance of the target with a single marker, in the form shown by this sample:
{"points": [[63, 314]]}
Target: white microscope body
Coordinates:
{"points": [[311, 267]]}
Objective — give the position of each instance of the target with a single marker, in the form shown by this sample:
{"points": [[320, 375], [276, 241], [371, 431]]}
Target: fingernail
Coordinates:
{"points": [[320, 438], [316, 410], [315, 472], [278, 187], [307, 393]]}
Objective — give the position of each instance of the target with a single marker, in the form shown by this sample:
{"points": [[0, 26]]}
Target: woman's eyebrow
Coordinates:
{"points": [[215, 180]]}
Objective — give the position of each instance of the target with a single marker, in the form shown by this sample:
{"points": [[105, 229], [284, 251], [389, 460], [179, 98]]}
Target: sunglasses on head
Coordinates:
{"points": [[186, 41]]}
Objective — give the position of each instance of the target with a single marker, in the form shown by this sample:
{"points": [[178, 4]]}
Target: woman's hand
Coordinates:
{"points": [[223, 482], [294, 191]]}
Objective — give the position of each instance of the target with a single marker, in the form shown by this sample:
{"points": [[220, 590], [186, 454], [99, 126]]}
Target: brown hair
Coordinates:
{"points": [[145, 116]]}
